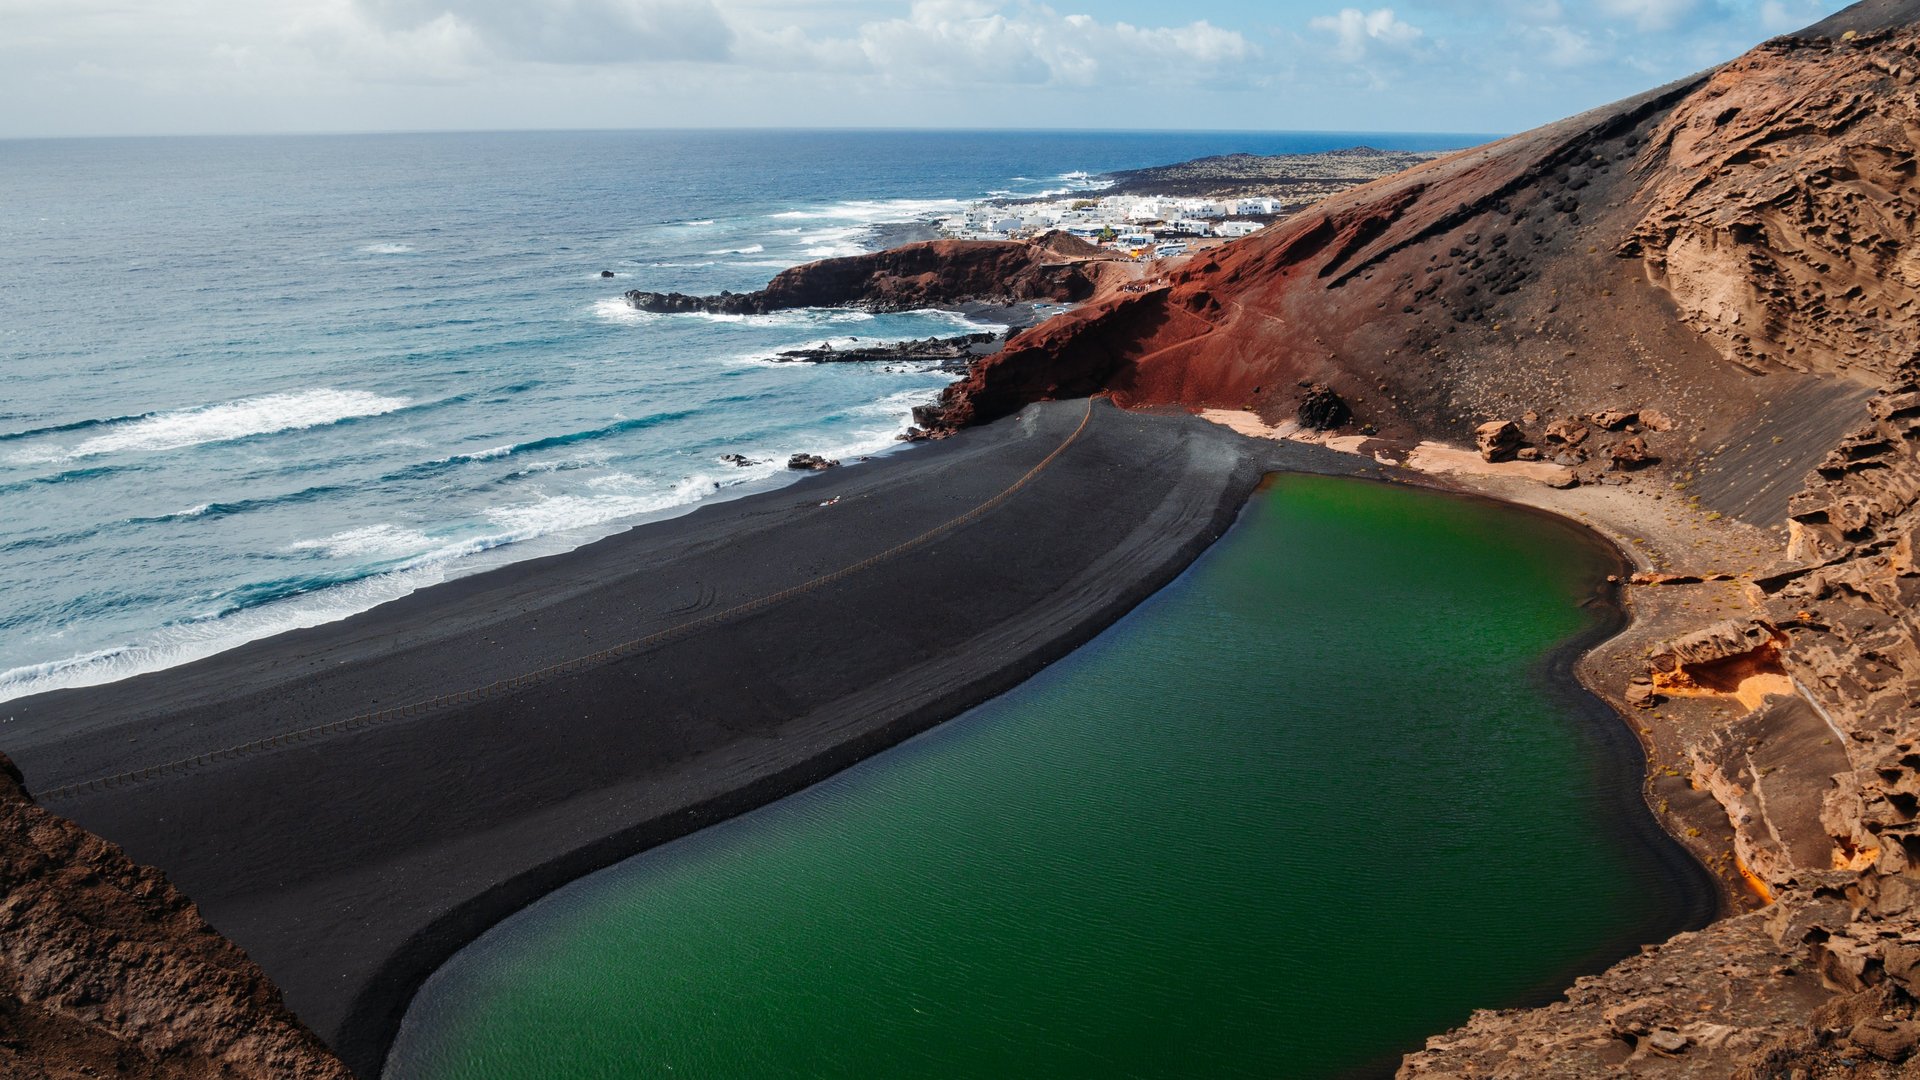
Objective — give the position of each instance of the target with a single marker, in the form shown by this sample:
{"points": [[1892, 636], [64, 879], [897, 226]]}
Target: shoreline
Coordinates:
{"points": [[1621, 760], [719, 780], [351, 857], [1614, 758], [1649, 538]]}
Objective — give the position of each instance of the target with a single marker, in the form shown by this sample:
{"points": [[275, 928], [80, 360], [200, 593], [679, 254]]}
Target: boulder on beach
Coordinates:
{"points": [[1322, 409], [1499, 440]]}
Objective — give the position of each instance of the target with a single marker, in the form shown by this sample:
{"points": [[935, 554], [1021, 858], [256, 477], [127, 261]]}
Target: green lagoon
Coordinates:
{"points": [[1317, 800]]}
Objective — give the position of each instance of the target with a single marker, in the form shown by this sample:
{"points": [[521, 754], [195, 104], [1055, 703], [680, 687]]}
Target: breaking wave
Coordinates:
{"points": [[224, 422]]}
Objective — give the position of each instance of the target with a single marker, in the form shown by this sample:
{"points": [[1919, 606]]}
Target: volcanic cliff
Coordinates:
{"points": [[1705, 297], [107, 970], [933, 273]]}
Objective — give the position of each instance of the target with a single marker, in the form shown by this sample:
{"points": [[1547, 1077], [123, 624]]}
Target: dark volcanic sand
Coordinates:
{"points": [[351, 863]]}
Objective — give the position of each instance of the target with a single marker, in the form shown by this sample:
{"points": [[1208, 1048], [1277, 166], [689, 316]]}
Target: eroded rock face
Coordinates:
{"points": [[106, 970], [1734, 1000], [1771, 222], [1850, 606], [1498, 440]]}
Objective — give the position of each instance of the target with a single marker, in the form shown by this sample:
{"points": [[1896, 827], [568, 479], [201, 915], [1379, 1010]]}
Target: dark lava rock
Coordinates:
{"points": [[740, 460], [811, 463], [1323, 410], [948, 354], [1631, 454], [606, 273]]}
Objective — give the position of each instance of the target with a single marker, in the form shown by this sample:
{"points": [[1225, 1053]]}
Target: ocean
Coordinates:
{"points": [[254, 384]]}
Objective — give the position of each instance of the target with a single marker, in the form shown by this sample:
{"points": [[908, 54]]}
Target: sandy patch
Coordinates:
{"points": [[1428, 457]]}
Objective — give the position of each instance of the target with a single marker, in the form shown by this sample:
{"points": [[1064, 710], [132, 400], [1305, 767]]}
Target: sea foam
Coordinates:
{"points": [[224, 422]]}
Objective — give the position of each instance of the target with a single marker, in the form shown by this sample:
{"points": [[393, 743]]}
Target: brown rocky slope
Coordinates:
{"points": [[107, 970], [1706, 295]]}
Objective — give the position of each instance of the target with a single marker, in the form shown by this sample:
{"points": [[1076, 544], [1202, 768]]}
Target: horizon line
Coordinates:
{"points": [[744, 129]]}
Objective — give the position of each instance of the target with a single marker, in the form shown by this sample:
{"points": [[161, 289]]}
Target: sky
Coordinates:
{"points": [[152, 67]]}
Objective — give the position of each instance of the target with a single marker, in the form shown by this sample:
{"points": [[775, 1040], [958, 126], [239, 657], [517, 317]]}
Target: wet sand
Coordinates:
{"points": [[354, 802]]}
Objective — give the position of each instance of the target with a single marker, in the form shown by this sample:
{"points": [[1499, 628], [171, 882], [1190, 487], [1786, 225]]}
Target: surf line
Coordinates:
{"points": [[566, 667]]}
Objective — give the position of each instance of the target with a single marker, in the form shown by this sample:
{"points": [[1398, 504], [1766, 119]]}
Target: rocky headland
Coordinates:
{"points": [[1296, 180], [1054, 268]]}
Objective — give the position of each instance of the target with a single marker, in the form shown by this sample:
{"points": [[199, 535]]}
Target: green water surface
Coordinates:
{"points": [[1310, 804]]}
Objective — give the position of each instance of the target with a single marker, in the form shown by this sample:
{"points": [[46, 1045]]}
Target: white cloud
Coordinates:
{"points": [[1567, 47], [966, 41], [342, 39], [106, 66], [571, 31], [1358, 35], [1785, 16], [1651, 14]]}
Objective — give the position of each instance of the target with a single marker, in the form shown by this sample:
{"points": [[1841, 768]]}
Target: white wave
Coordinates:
{"points": [[488, 454], [956, 319], [835, 243], [790, 317], [681, 265], [224, 422], [192, 511], [388, 249], [875, 211], [702, 221], [568, 464], [552, 514], [615, 309], [751, 249], [183, 643], [897, 209], [372, 541], [898, 404]]}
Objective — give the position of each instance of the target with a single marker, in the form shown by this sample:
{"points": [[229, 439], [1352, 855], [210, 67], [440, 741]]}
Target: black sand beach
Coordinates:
{"points": [[355, 802]]}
